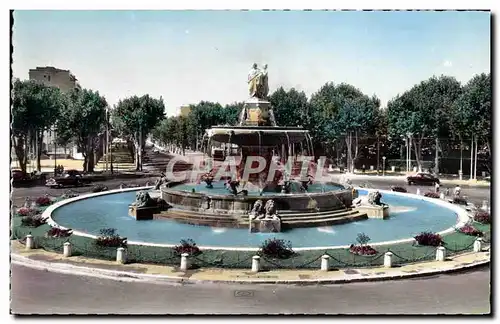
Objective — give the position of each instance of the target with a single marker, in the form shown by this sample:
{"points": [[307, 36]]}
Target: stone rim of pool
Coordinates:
{"points": [[462, 219]]}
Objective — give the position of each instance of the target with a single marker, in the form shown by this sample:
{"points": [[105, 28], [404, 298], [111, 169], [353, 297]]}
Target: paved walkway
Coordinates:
{"points": [[79, 265]]}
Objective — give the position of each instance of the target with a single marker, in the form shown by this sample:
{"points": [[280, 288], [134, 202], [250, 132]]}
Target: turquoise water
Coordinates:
{"points": [[409, 217], [219, 189]]}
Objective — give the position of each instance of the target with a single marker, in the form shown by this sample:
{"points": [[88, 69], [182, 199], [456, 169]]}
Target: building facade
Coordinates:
{"points": [[51, 76]]}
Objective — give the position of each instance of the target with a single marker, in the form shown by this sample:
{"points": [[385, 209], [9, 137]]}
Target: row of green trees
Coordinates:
{"points": [[336, 115], [439, 107], [80, 117]]}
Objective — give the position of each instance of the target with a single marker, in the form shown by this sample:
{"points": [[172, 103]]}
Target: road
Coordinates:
{"points": [[42, 292], [475, 195]]}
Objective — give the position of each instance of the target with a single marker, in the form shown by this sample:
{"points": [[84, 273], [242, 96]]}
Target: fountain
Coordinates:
{"points": [[273, 169]]}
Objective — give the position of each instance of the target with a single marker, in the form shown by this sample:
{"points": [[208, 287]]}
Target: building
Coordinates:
{"points": [[185, 110], [51, 76], [65, 81]]}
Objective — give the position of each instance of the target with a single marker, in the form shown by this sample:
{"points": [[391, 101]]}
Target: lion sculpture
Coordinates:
{"points": [[270, 209], [142, 199]]}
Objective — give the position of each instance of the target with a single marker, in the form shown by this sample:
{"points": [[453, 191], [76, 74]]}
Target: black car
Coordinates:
{"points": [[422, 178], [72, 178]]}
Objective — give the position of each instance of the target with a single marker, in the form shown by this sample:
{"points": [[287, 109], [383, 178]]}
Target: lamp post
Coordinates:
{"points": [[408, 154], [383, 165], [55, 151]]}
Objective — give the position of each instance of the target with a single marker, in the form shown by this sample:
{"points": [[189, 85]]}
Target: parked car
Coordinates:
{"points": [[19, 175], [73, 178], [422, 178]]}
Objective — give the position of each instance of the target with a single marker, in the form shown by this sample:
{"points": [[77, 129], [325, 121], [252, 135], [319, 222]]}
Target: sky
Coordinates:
{"points": [[189, 56]]}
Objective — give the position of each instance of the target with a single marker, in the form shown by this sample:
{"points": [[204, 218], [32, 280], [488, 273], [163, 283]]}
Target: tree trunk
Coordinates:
{"points": [[19, 144], [471, 155], [39, 150], [436, 159], [418, 152], [461, 158]]}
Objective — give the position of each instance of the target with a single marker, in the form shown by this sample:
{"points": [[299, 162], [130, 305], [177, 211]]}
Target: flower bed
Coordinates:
{"points": [[276, 249], [470, 230], [431, 194], [429, 239], [187, 246], [58, 232], [109, 238], [43, 201], [33, 221], [399, 189], [362, 250], [27, 211], [482, 217]]}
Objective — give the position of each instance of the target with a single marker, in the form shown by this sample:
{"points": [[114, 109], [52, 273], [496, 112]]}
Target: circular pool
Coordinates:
{"points": [[409, 216]]}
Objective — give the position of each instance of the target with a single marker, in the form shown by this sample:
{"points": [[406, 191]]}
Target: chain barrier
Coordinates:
{"points": [[220, 262], [285, 266], [427, 256], [137, 255], [457, 250], [368, 263]]}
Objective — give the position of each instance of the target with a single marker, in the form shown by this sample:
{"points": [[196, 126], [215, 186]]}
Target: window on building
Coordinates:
{"points": [[48, 78]]}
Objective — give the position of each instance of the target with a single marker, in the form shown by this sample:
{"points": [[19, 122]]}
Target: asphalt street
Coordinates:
{"points": [[42, 292]]}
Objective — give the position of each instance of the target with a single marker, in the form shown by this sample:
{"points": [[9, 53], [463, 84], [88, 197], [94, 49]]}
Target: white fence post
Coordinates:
{"points": [[184, 261], [121, 255], [478, 245], [440, 254], [67, 250], [325, 259], [30, 244], [388, 260], [255, 263]]}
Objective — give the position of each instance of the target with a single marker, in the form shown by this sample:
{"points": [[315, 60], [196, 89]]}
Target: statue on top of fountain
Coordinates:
{"points": [[258, 85]]}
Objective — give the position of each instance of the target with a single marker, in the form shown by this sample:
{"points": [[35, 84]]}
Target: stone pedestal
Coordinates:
{"points": [[184, 262], [67, 250], [258, 113], [441, 254], [388, 260], [121, 255], [325, 262], [255, 263], [30, 243], [478, 245], [265, 226], [379, 212], [143, 213]]}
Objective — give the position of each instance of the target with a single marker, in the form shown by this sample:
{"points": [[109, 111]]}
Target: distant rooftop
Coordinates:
{"points": [[54, 70]]}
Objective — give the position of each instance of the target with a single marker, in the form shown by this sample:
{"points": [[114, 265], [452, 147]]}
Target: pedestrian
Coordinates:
{"points": [[436, 186], [457, 190], [447, 191]]}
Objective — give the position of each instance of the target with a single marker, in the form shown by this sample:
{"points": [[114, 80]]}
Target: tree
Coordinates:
{"points": [[290, 107], [471, 113], [82, 120], [135, 117], [344, 111], [423, 112], [35, 107]]}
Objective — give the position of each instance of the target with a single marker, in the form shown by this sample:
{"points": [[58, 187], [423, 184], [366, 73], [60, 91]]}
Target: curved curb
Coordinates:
{"points": [[128, 276], [462, 219]]}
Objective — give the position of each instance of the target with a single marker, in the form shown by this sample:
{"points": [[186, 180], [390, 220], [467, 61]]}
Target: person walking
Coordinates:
{"points": [[436, 187], [456, 191]]}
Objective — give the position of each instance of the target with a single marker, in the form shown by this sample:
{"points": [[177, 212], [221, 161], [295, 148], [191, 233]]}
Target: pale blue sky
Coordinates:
{"points": [[188, 56]]}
